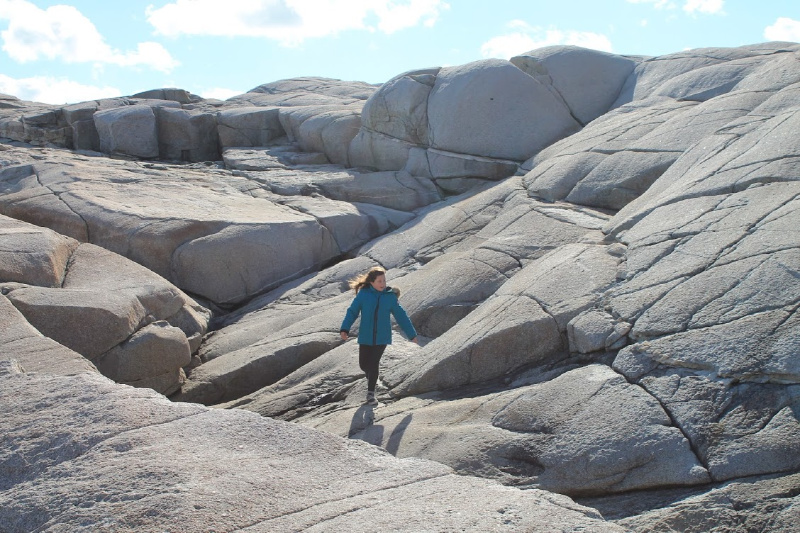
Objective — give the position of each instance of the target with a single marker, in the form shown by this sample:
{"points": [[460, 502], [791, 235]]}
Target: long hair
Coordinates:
{"points": [[364, 280]]}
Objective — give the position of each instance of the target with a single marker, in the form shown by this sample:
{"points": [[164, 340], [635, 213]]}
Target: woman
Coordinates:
{"points": [[375, 302]]}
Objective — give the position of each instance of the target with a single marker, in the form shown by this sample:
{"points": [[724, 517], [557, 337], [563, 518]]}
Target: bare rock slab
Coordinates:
{"points": [[240, 476]]}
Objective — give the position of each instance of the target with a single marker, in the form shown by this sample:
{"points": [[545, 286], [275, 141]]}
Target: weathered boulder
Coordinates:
{"points": [[476, 120], [594, 330], [64, 314], [187, 135], [652, 73], [511, 115], [159, 226], [588, 81], [131, 322], [129, 130], [620, 155], [248, 126], [522, 324], [170, 93], [34, 255], [32, 351]]}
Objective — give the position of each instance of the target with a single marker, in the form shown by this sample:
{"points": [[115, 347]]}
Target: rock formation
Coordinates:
{"points": [[600, 253]]}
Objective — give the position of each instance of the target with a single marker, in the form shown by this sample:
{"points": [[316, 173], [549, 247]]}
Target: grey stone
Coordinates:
{"points": [[753, 504], [248, 126], [589, 331], [588, 81], [187, 135], [242, 453], [129, 130], [32, 351], [512, 116], [91, 322], [33, 255], [399, 108], [153, 350]]}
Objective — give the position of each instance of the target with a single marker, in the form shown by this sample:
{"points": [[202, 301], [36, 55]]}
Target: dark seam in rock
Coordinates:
{"points": [[782, 322], [59, 196], [673, 420]]}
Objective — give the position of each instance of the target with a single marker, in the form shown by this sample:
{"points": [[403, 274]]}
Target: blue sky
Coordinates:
{"points": [[84, 49]]}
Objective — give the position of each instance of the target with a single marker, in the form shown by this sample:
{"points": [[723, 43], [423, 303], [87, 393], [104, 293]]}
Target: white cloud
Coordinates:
{"points": [[62, 32], [290, 21], [710, 7], [512, 44], [784, 29], [53, 90], [220, 93]]}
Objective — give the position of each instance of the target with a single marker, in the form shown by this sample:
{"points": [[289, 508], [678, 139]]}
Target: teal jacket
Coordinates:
{"points": [[375, 308]]}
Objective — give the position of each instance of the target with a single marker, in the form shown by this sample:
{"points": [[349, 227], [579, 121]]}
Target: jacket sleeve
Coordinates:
{"points": [[351, 315], [402, 319]]}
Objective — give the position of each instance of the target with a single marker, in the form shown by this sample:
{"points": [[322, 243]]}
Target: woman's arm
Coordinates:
{"points": [[350, 317], [402, 319]]}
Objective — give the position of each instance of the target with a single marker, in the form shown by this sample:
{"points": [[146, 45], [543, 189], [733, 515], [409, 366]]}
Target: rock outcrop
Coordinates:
{"points": [[117, 458], [135, 327], [599, 252]]}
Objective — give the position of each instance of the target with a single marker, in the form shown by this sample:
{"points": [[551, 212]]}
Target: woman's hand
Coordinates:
{"points": [[344, 335]]}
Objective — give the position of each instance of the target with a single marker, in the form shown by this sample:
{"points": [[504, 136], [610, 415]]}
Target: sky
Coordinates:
{"points": [[79, 50]]}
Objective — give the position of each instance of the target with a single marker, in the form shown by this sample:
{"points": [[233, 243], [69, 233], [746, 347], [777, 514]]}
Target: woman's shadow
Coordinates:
{"points": [[363, 427]]}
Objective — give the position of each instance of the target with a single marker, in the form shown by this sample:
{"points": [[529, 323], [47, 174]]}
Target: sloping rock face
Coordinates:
{"points": [[245, 471], [614, 320]]}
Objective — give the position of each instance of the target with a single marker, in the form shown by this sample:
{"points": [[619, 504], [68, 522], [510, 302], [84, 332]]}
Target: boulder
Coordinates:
{"points": [[308, 90], [158, 225], [31, 351], [594, 330], [90, 322], [153, 350], [129, 130], [33, 255], [588, 81], [512, 116], [171, 93], [399, 109], [134, 324], [248, 126], [416, 121], [187, 135]]}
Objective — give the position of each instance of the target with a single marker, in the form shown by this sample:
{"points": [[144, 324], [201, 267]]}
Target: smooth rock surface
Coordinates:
{"points": [[238, 476]]}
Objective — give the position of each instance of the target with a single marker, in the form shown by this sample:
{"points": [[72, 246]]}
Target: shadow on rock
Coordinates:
{"points": [[362, 427]]}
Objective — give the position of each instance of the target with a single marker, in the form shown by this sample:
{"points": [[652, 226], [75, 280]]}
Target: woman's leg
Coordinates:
{"points": [[369, 358]]}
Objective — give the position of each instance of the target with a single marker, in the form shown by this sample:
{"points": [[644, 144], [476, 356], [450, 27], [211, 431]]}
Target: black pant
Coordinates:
{"points": [[369, 357]]}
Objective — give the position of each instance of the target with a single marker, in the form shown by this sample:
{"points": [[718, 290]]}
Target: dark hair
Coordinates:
{"points": [[364, 280]]}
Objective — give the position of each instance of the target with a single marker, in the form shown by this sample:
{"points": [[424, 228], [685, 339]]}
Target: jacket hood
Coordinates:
{"points": [[387, 290]]}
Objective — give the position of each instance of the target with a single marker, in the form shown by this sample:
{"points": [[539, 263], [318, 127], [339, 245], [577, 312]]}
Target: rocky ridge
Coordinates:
{"points": [[601, 256]]}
